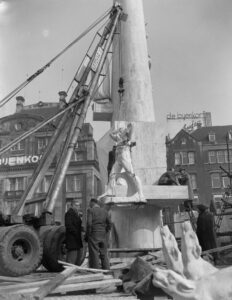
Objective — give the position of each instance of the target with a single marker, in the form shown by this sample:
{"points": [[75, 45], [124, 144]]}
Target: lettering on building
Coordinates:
{"points": [[19, 160]]}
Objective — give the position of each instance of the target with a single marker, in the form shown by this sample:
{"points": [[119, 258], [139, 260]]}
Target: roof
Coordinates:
{"points": [[201, 134], [42, 109]]}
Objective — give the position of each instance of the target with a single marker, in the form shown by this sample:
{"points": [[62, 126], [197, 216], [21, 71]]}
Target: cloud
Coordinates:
{"points": [[3, 6]]}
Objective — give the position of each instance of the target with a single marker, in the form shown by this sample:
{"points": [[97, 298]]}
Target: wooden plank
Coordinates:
{"points": [[37, 284], [134, 250], [219, 249], [85, 269], [13, 279], [118, 296], [49, 286], [76, 286]]}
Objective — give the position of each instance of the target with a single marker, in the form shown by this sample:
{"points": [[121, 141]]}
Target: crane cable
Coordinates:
{"points": [[38, 72]]}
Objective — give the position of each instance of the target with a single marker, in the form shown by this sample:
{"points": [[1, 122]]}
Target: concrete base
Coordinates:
{"points": [[136, 226]]}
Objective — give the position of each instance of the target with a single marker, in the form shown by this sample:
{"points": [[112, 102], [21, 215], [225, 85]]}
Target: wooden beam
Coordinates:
{"points": [[127, 250], [85, 269], [219, 249], [36, 284], [77, 286], [49, 286]]}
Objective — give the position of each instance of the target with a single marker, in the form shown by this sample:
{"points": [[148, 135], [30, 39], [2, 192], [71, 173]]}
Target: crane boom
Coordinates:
{"points": [[71, 122]]}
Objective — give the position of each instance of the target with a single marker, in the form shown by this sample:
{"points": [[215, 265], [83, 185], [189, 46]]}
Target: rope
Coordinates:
{"points": [[37, 73]]}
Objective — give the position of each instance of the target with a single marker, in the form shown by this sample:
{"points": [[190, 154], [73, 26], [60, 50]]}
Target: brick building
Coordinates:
{"points": [[204, 154], [17, 165]]}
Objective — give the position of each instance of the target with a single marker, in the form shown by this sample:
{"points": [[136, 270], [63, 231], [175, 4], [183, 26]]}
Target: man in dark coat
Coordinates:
{"points": [[98, 226], [206, 229], [73, 225]]}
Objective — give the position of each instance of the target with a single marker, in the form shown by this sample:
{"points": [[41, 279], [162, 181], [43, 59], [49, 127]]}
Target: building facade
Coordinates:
{"points": [[18, 164], [206, 154]]}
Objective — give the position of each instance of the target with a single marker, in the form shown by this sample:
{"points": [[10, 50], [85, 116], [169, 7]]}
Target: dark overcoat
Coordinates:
{"points": [[206, 231], [73, 225]]}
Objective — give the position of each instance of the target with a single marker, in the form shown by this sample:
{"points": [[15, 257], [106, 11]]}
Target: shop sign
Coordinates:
{"points": [[184, 116], [19, 160]]}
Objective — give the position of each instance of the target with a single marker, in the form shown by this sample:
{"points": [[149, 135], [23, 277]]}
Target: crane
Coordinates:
{"points": [[26, 241]]}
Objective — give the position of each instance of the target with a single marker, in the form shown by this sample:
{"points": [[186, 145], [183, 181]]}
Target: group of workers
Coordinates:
{"points": [[96, 234]]}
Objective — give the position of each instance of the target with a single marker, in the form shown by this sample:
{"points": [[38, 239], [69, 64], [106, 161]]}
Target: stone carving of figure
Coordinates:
{"points": [[122, 138], [188, 276]]}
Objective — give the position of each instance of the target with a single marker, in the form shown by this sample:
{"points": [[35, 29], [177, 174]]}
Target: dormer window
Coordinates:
{"points": [[229, 135], [183, 141], [212, 137]]}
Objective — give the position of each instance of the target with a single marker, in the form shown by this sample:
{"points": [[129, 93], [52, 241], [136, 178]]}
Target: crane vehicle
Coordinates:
{"points": [[28, 240]]}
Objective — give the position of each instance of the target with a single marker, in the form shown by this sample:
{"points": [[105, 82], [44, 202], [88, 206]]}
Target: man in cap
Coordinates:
{"points": [[98, 227]]}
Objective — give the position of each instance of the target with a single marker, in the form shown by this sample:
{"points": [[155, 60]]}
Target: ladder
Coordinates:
{"points": [[225, 205]]}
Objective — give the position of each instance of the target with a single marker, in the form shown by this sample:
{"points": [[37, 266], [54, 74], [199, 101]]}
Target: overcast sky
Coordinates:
{"points": [[189, 41]]}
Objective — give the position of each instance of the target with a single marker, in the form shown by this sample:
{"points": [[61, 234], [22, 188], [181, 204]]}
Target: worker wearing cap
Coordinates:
{"points": [[98, 227], [73, 225]]}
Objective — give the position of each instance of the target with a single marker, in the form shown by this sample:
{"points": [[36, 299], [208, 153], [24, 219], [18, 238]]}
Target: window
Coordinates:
{"points": [[18, 147], [215, 180], [225, 182], [177, 159], [47, 181], [44, 184], [41, 144], [77, 156], [212, 157], [212, 137], [226, 156], [18, 126], [183, 141], [220, 156], [73, 183], [193, 180], [15, 184], [229, 135], [97, 186], [184, 158], [191, 158]]}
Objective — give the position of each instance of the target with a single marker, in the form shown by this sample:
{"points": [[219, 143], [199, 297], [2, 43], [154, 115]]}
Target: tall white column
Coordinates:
{"points": [[130, 62]]}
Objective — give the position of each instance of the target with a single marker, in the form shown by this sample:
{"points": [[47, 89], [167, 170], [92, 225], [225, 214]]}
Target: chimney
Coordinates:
{"points": [[62, 99], [19, 103]]}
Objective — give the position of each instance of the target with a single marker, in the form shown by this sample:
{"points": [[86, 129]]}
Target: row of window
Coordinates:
{"points": [[74, 183], [220, 156], [217, 181], [188, 158], [41, 144]]}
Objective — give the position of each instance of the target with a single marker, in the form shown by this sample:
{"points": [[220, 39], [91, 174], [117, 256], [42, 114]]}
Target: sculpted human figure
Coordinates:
{"points": [[188, 276], [122, 138]]}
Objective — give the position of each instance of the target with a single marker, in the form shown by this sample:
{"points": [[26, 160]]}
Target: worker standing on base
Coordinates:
{"points": [[98, 227], [73, 226]]}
